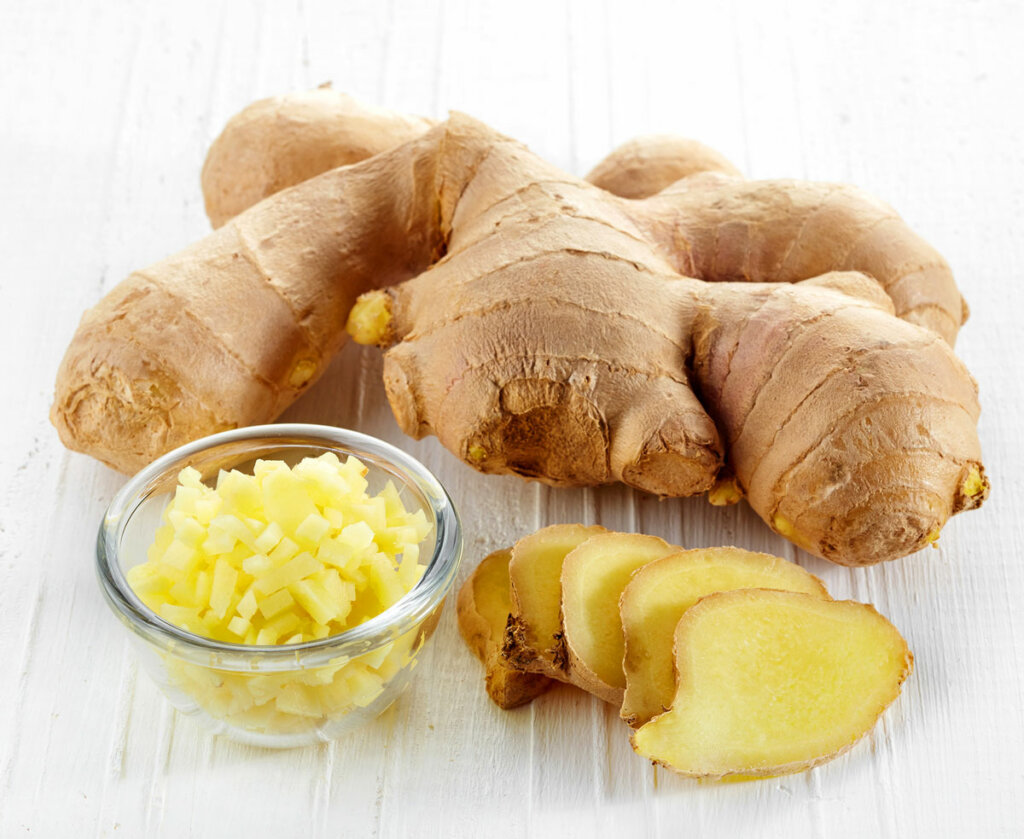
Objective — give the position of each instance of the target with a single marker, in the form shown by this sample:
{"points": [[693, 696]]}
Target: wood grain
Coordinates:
{"points": [[108, 110]]}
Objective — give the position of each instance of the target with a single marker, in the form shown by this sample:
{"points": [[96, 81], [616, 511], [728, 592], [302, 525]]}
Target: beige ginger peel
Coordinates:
{"points": [[542, 326]]}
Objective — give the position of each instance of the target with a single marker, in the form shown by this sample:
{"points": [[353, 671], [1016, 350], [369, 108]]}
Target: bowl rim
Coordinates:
{"points": [[403, 616]]}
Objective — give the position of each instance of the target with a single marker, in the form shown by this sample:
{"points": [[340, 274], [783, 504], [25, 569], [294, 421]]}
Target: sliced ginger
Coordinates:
{"points": [[772, 682], [483, 607], [533, 642], [658, 595], [593, 577], [763, 674]]}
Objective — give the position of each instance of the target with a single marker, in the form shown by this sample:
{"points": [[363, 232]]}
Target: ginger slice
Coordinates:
{"points": [[658, 595], [483, 607], [772, 682], [593, 577], [533, 637]]}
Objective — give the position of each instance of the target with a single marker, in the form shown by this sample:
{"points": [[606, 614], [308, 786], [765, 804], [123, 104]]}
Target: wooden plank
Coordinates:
{"points": [[109, 112]]}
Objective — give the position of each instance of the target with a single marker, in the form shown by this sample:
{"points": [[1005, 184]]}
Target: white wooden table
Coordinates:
{"points": [[107, 110]]}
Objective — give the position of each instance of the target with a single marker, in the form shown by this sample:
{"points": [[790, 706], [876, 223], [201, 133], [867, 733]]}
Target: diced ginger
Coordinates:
{"points": [[247, 606], [187, 530], [257, 565], [206, 508], [178, 555], [224, 579], [384, 581], [282, 556], [276, 603], [312, 530], [358, 535], [270, 537], [285, 500], [337, 553], [291, 572], [363, 684], [240, 493], [315, 600], [185, 497], [284, 551]]}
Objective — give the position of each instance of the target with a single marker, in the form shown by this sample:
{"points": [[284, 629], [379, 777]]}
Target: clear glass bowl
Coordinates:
{"points": [[296, 694]]}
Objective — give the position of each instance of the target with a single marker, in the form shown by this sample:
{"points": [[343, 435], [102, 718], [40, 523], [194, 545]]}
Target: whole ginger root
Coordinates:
{"points": [[543, 326]]}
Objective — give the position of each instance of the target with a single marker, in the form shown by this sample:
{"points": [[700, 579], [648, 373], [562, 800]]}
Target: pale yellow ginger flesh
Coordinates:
{"points": [[659, 593], [593, 577], [280, 556], [533, 640], [483, 608], [283, 556], [772, 682]]}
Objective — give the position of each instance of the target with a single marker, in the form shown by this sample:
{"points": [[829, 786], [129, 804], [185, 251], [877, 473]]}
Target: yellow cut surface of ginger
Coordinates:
{"points": [[659, 594], [593, 577], [533, 639], [772, 682], [284, 555]]}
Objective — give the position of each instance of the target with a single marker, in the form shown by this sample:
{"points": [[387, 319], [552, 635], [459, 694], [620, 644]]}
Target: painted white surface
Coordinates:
{"points": [[107, 110]]}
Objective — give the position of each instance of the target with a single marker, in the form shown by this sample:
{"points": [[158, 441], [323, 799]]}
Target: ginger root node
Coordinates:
{"points": [[725, 492], [370, 318]]}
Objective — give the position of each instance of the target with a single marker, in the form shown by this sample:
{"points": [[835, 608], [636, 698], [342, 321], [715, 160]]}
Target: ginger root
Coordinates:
{"points": [[483, 608], [773, 682], [542, 326]]}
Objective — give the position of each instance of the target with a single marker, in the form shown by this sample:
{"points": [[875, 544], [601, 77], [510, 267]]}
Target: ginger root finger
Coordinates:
{"points": [[233, 329], [828, 405], [773, 682], [646, 165], [278, 142], [483, 607], [786, 231]]}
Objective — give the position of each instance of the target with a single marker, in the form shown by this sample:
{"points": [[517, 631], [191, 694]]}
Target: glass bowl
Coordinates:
{"points": [[287, 695]]}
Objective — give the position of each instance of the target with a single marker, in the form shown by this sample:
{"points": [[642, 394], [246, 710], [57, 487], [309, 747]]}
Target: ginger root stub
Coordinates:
{"points": [[542, 326]]}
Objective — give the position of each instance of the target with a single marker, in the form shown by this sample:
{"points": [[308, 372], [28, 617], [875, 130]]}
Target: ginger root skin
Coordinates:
{"points": [[278, 142], [644, 166], [541, 326]]}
